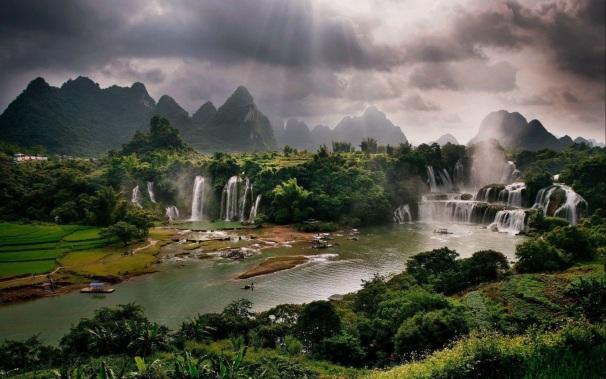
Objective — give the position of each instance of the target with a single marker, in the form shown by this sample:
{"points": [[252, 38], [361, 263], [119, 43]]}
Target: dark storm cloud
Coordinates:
{"points": [[470, 76]]}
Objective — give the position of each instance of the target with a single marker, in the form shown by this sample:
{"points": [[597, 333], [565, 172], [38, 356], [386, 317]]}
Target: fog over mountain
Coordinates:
{"points": [[422, 62]]}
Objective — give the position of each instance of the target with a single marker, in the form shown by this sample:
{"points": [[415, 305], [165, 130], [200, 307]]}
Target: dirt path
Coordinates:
{"points": [[151, 242]]}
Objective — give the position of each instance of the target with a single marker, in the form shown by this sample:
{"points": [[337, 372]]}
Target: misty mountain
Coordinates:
{"points": [[446, 138], [296, 134], [322, 135], [80, 118], [513, 131], [371, 124], [590, 142]]}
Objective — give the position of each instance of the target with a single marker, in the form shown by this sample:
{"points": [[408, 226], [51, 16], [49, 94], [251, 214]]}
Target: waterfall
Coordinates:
{"points": [[401, 214], [440, 182], [449, 211], [253, 209], [135, 196], [510, 173], [150, 192], [235, 198], [510, 221], [459, 174], [512, 194], [197, 201], [572, 208], [172, 213]]}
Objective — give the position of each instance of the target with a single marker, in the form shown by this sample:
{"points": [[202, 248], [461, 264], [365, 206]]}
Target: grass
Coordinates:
{"points": [[27, 249], [575, 351]]}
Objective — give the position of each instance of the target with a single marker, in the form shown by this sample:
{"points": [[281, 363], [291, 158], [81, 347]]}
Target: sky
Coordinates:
{"points": [[433, 67]]}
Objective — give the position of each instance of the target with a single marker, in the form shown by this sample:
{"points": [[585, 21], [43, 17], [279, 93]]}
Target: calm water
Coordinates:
{"points": [[182, 289]]}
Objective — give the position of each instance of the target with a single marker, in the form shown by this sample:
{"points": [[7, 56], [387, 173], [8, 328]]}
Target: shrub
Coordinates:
{"points": [[590, 295], [573, 241], [28, 354], [344, 349], [318, 320], [430, 263], [429, 331], [538, 255], [485, 265]]}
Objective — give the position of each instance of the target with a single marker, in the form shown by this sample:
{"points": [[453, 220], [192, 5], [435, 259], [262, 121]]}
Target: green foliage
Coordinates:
{"points": [[343, 349], [590, 295], [369, 145], [28, 354], [586, 176], [424, 266], [161, 136], [429, 331], [291, 202], [122, 231], [484, 266], [317, 320], [341, 147], [535, 181], [573, 241], [123, 329], [538, 255]]}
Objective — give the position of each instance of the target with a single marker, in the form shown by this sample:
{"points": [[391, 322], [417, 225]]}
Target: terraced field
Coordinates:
{"points": [[34, 248]]}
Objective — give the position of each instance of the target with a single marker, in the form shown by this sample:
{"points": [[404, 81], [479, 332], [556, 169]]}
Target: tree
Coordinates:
{"points": [[573, 241], [343, 349], [538, 255], [429, 331], [369, 145], [290, 203], [485, 265], [341, 147], [430, 263], [122, 231], [318, 320]]}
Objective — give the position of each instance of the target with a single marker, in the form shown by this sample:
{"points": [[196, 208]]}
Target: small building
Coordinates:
{"points": [[20, 157]]}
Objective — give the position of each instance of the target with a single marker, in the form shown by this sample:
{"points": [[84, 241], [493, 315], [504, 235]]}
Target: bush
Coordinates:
{"points": [[343, 349], [403, 305], [317, 320], [538, 255], [28, 354], [485, 265], [425, 265], [573, 241], [590, 296], [429, 331]]}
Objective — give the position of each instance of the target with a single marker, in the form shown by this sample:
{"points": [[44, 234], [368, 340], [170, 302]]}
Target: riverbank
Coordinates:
{"points": [[114, 264]]}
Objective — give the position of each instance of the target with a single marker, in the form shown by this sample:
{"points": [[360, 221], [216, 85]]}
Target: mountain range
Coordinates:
{"points": [[513, 131], [81, 118], [372, 123]]}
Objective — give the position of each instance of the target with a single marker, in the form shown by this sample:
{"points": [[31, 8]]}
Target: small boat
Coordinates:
{"points": [[97, 287], [442, 231]]}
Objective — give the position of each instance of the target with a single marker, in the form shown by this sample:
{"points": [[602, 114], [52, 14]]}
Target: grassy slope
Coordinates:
{"points": [[518, 300]]}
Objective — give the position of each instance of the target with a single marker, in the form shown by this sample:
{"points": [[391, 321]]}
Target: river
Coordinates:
{"points": [[182, 289]]}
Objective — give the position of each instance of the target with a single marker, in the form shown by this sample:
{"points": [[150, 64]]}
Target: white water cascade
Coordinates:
{"points": [[135, 197], [459, 174], [512, 194], [197, 201], [510, 221], [440, 182], [510, 173], [571, 208], [150, 192], [401, 214], [172, 213], [235, 198], [253, 209]]}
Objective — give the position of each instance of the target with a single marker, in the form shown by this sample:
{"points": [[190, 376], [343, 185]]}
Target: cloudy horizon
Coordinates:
{"points": [[434, 67]]}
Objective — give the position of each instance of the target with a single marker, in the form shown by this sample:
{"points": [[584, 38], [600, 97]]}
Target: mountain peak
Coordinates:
{"points": [[81, 83], [240, 96], [447, 138], [139, 87], [36, 84], [205, 113]]}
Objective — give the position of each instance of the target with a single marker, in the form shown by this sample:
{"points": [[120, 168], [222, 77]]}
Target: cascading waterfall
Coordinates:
{"points": [[172, 213], [440, 182], [510, 173], [197, 202], [150, 192], [459, 174], [512, 194], [135, 196], [511, 221], [570, 209], [236, 199], [253, 209], [449, 211], [401, 214]]}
